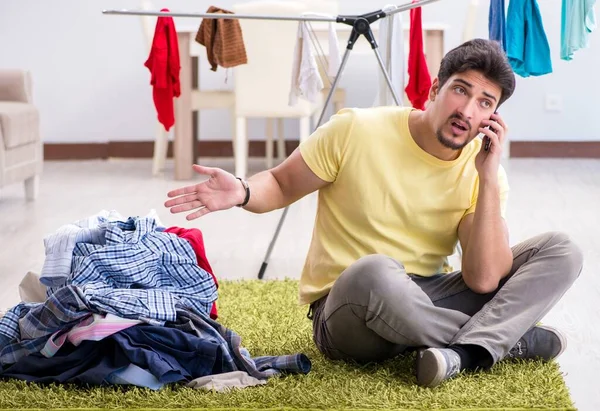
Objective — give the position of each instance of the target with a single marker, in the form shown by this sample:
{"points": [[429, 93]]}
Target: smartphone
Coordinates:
{"points": [[486, 140]]}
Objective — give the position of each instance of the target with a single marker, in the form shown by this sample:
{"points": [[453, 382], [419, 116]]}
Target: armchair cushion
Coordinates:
{"points": [[15, 85], [19, 124]]}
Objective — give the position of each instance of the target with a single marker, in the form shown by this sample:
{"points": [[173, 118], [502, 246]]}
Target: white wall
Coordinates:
{"points": [[91, 85]]}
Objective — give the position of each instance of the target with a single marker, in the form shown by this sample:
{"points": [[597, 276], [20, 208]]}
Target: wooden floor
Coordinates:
{"points": [[548, 194]]}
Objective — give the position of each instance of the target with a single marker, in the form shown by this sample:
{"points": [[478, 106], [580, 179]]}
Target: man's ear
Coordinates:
{"points": [[434, 90]]}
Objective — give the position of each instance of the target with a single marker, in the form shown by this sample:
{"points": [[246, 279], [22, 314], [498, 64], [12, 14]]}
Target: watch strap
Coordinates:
{"points": [[247, 188]]}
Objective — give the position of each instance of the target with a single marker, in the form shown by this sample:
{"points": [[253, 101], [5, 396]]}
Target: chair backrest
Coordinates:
{"points": [[262, 86]]}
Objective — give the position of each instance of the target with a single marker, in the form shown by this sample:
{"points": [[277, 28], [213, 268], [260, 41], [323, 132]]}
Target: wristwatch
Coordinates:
{"points": [[247, 188]]}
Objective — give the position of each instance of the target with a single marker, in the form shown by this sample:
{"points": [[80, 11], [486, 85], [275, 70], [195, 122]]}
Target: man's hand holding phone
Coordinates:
{"points": [[486, 140], [487, 161]]}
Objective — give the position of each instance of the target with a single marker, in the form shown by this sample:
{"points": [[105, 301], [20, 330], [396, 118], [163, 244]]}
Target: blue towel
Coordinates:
{"points": [[497, 22], [527, 46], [578, 20]]}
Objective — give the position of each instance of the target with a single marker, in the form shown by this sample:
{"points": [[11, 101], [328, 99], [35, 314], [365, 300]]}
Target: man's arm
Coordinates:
{"points": [[487, 256], [282, 185], [271, 189]]}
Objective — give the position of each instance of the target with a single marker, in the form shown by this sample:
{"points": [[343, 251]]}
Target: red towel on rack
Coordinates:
{"points": [[164, 66], [419, 81], [194, 236]]}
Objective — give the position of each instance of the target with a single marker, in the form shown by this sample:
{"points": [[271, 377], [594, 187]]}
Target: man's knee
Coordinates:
{"points": [[352, 302], [368, 273], [566, 253]]}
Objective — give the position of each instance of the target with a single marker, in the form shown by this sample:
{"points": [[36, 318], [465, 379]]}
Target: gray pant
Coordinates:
{"points": [[375, 310]]}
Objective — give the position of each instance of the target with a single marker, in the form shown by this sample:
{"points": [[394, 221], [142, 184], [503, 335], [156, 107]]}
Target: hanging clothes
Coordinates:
{"points": [[497, 22], [163, 63], [391, 47], [526, 43], [306, 78], [578, 20], [223, 40], [419, 81], [333, 58]]}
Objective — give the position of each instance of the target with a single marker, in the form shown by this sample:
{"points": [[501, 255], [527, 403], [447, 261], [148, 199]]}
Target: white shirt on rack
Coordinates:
{"points": [[306, 78], [391, 48]]}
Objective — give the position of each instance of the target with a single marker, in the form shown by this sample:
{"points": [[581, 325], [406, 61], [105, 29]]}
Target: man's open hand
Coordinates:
{"points": [[220, 192]]}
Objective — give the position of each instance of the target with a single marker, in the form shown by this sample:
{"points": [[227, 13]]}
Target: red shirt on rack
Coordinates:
{"points": [[419, 81], [163, 63]]}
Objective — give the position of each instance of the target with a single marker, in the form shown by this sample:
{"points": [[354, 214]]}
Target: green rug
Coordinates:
{"points": [[270, 322]]}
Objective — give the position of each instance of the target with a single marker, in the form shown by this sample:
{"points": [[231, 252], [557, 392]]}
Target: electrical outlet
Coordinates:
{"points": [[554, 102]]}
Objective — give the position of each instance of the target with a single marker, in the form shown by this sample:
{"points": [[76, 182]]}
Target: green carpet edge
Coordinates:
{"points": [[284, 409]]}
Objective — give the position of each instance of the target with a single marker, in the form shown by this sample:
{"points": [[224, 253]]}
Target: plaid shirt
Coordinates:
{"points": [[142, 273], [137, 273], [60, 244], [25, 328], [234, 357]]}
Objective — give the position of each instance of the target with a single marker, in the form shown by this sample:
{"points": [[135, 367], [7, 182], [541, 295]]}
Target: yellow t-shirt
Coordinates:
{"points": [[388, 197]]}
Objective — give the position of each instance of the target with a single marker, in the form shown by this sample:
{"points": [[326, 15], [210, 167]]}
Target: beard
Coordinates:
{"points": [[451, 142]]}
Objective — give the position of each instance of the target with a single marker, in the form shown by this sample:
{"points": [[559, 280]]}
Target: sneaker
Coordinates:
{"points": [[435, 365], [540, 342]]}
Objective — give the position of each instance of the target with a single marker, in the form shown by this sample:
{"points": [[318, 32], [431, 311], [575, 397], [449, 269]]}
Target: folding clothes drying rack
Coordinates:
{"points": [[361, 26]]}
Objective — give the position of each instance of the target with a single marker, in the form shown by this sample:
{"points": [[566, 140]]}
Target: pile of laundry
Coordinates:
{"points": [[128, 301]]}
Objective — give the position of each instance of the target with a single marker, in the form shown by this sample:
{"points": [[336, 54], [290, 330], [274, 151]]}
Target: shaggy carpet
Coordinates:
{"points": [[267, 317]]}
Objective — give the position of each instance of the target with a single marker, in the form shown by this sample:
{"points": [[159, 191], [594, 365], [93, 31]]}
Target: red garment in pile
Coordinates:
{"points": [[163, 63], [194, 236], [419, 82]]}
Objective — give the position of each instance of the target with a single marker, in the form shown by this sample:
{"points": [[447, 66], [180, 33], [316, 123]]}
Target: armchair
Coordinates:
{"points": [[21, 149]]}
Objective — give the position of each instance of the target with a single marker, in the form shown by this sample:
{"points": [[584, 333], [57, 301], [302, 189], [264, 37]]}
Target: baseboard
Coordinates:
{"points": [[145, 149], [224, 148], [555, 149]]}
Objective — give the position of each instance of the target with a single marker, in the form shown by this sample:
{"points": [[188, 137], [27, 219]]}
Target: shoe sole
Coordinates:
{"points": [[561, 337], [429, 371]]}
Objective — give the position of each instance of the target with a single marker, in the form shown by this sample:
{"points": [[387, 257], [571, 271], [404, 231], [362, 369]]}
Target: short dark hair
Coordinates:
{"points": [[485, 56]]}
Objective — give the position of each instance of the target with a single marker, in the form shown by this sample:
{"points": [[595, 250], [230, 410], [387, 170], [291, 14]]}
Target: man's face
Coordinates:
{"points": [[460, 105]]}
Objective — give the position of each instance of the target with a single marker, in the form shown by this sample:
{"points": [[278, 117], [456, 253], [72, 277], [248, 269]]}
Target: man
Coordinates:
{"points": [[398, 188]]}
